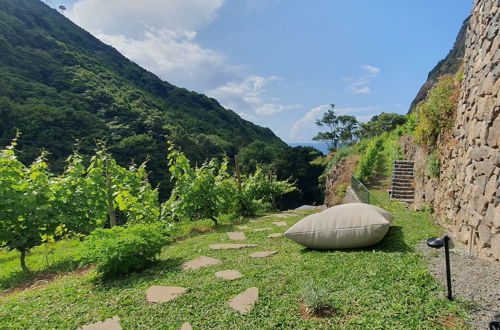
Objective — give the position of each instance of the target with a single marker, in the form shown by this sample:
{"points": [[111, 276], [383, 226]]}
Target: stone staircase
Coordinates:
{"points": [[402, 181]]}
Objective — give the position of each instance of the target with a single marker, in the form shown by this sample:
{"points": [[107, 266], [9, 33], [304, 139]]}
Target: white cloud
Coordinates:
{"points": [[371, 69], [305, 128], [160, 35], [359, 90], [309, 118], [250, 96], [358, 87], [130, 17], [173, 56]]}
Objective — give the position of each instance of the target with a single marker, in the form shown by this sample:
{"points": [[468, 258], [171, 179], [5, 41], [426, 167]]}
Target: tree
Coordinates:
{"points": [[381, 123], [342, 130]]}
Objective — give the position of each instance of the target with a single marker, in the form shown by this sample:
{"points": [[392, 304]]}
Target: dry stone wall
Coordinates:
{"points": [[466, 196]]}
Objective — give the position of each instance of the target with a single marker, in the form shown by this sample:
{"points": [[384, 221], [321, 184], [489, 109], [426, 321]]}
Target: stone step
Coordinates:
{"points": [[402, 165], [403, 162], [399, 193], [399, 172], [403, 176], [403, 190], [402, 184], [403, 196]]}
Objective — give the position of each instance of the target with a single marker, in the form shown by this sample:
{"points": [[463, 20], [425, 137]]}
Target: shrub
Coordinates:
{"points": [[260, 191], [435, 115], [368, 161], [121, 250], [433, 165]]}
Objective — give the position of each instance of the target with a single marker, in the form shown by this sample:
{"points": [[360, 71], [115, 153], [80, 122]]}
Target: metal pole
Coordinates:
{"points": [[448, 271]]}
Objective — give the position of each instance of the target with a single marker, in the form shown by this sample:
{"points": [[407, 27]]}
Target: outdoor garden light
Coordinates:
{"points": [[437, 243]]}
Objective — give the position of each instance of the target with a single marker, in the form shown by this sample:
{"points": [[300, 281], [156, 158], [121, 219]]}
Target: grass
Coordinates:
{"points": [[385, 286]]}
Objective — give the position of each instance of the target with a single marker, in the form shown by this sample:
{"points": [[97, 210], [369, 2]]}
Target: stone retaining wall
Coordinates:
{"points": [[466, 196]]}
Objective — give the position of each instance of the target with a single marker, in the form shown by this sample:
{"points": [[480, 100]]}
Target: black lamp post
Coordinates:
{"points": [[437, 243]]}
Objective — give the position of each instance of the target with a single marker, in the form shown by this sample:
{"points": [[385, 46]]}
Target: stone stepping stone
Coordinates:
{"points": [[160, 294], [186, 326], [254, 221], [263, 254], [108, 324], [245, 301], [230, 246], [200, 262], [280, 223], [276, 235], [280, 215], [242, 227], [236, 236], [261, 229], [229, 274]]}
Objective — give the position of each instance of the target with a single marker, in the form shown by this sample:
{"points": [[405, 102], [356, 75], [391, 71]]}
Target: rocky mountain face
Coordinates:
{"points": [[466, 195], [449, 65]]}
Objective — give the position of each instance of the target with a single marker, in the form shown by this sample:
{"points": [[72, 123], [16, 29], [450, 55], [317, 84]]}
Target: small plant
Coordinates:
{"points": [[316, 298], [121, 250], [433, 165]]}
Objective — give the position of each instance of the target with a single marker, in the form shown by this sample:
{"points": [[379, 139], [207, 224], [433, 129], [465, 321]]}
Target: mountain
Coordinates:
{"points": [[449, 65], [60, 86]]}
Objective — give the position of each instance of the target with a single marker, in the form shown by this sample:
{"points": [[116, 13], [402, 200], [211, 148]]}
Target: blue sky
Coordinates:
{"points": [[280, 63]]}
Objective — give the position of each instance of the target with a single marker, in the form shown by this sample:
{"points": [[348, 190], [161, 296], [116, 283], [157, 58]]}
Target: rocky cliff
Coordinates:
{"points": [[449, 65], [466, 195]]}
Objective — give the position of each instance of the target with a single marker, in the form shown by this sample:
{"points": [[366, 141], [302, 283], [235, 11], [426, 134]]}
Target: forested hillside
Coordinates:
{"points": [[64, 89]]}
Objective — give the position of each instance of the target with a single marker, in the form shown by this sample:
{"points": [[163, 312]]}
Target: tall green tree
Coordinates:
{"points": [[341, 130]]}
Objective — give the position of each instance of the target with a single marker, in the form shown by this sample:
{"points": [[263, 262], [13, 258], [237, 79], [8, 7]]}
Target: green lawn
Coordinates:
{"points": [[384, 287]]}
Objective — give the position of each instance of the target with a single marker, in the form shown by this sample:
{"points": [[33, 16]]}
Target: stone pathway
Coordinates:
{"points": [[230, 246], [186, 326], [245, 301], [242, 303], [236, 236], [160, 294], [263, 254], [200, 262], [229, 274], [261, 229], [108, 324]]}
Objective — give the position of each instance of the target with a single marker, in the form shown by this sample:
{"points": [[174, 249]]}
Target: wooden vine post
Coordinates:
{"points": [[111, 209], [237, 167]]}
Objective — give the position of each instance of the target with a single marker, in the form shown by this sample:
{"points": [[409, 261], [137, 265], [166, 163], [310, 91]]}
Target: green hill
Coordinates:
{"points": [[61, 85]]}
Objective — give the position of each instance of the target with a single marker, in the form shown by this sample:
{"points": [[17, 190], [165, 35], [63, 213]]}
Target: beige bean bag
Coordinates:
{"points": [[346, 226]]}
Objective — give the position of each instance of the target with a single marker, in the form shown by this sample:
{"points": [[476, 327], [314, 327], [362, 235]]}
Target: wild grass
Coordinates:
{"points": [[384, 286]]}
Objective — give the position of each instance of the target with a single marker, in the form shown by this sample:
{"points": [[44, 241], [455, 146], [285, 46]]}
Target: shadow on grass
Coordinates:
{"points": [[391, 243], [155, 270], [23, 279]]}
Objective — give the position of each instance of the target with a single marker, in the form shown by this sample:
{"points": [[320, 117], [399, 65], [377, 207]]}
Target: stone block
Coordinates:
{"points": [[484, 233], [495, 246]]}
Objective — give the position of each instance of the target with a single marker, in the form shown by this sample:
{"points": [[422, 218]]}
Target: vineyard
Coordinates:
{"points": [[115, 209]]}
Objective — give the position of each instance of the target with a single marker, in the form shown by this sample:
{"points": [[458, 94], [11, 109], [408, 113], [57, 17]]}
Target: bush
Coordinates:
{"points": [[121, 250], [435, 115], [433, 165]]}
